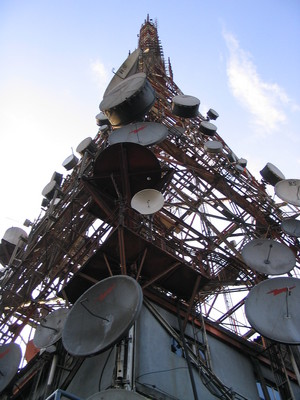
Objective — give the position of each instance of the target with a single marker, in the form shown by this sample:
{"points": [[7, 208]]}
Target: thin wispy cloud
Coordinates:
{"points": [[266, 102], [100, 73]]}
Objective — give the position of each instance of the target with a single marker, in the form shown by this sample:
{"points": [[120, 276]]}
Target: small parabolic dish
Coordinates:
{"points": [[147, 201], [271, 174], [143, 133], [268, 256], [10, 358], [185, 106], [289, 190], [207, 128], [213, 146], [49, 330], [102, 316], [291, 226], [272, 309], [131, 99], [116, 394]]}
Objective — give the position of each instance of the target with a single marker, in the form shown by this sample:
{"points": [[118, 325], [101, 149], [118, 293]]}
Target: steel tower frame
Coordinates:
{"points": [[186, 254]]}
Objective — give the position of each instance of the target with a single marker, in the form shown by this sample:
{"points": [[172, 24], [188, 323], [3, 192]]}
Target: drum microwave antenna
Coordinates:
{"points": [[185, 106], [271, 174]]}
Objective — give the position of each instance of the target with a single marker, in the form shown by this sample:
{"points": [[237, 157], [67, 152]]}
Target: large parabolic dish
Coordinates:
{"points": [[10, 358], [291, 226], [272, 309], [137, 162], [102, 316], [49, 330], [143, 133], [289, 191], [128, 101], [268, 256]]}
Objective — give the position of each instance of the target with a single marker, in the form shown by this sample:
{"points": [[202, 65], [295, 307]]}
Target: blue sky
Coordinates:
{"points": [[241, 58]]}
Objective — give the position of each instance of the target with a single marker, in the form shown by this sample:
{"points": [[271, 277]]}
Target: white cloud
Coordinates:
{"points": [[265, 101], [101, 74]]}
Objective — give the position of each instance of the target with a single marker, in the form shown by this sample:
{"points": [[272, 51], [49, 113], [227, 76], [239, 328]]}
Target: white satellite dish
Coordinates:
{"points": [[147, 201], [143, 133], [289, 190], [268, 256], [10, 358], [271, 174], [49, 330], [272, 309], [185, 106], [116, 394], [291, 226]]}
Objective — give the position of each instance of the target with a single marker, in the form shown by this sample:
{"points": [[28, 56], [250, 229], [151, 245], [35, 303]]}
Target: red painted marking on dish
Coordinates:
{"points": [[137, 130], [279, 291], [4, 353], [102, 296]]}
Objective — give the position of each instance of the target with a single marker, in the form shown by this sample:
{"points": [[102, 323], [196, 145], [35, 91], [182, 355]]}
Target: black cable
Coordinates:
{"points": [[158, 372], [187, 356], [104, 366]]}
